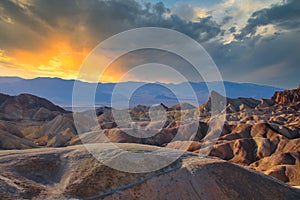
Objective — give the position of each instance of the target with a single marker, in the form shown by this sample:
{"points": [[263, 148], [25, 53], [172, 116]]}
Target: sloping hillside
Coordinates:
{"points": [[72, 173]]}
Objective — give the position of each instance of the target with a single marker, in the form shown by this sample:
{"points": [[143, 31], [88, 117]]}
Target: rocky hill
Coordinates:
{"points": [[27, 107], [72, 173], [26, 119]]}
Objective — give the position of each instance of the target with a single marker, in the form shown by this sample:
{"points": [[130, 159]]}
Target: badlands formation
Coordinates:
{"points": [[256, 156], [72, 173]]}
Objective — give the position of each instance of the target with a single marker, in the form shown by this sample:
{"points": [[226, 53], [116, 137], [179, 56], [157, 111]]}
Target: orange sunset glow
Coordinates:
{"points": [[58, 60]]}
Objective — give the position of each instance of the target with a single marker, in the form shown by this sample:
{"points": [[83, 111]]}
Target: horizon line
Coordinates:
{"points": [[166, 83]]}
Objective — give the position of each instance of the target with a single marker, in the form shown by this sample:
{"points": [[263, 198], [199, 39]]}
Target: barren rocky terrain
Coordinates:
{"points": [[72, 173], [261, 135]]}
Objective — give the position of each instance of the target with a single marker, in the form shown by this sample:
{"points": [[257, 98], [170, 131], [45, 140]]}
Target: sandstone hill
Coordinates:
{"points": [[72, 173]]}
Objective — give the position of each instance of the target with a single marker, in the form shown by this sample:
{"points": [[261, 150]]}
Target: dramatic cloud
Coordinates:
{"points": [[53, 37], [269, 60], [286, 17], [250, 40], [91, 21]]}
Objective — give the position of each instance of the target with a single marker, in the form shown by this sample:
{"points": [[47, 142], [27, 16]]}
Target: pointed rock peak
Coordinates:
{"points": [[216, 94], [216, 97]]}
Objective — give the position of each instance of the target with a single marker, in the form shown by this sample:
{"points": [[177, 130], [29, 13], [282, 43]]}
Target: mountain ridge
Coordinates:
{"points": [[59, 91]]}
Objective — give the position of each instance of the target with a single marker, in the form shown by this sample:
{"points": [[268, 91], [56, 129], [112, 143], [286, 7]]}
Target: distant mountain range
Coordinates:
{"points": [[59, 91]]}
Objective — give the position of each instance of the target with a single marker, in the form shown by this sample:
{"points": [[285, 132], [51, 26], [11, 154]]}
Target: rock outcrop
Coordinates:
{"points": [[287, 96]]}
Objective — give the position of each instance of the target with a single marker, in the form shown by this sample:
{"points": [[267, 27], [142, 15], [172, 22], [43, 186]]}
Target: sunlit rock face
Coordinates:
{"points": [[287, 96]]}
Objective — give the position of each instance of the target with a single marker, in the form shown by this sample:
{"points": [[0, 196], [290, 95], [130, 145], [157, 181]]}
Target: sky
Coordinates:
{"points": [[254, 41]]}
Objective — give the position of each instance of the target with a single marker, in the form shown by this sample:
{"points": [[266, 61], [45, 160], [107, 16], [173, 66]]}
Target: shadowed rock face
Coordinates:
{"points": [[27, 107], [72, 173]]}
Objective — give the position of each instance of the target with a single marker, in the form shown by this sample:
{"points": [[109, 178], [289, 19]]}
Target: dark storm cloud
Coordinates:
{"points": [[23, 31], [271, 60], [286, 16], [226, 19], [139, 57], [89, 22], [232, 29]]}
